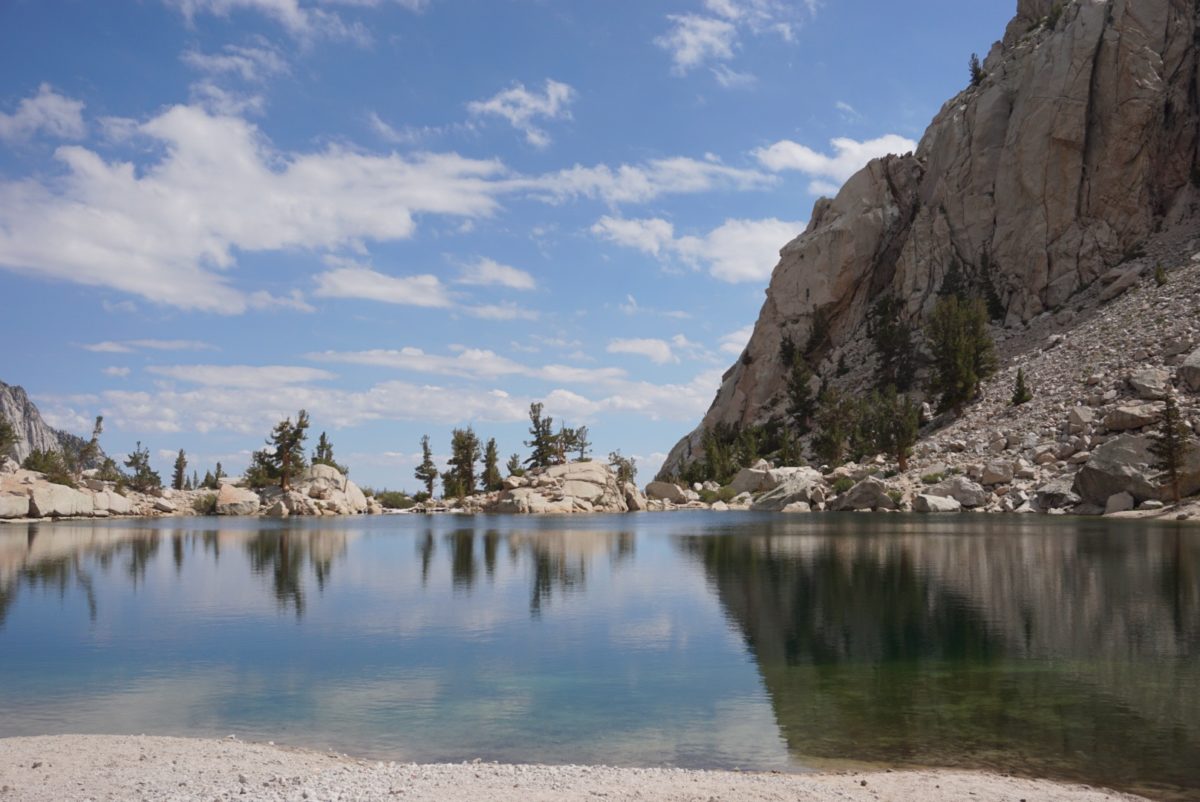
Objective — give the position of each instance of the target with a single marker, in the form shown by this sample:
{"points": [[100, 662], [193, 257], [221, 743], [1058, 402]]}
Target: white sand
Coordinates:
{"points": [[104, 767]]}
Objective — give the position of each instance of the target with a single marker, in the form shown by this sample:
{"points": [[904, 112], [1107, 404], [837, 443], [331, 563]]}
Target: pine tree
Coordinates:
{"points": [[626, 467], [464, 453], [893, 339], [976, 68], [287, 448], [789, 448], [142, 478], [963, 354], [801, 405], [194, 481], [492, 480], [178, 478], [427, 472], [210, 482], [898, 421], [581, 445], [1171, 446], [219, 474], [8, 437], [543, 441], [91, 449], [833, 425], [1021, 394], [262, 470], [323, 455], [514, 467]]}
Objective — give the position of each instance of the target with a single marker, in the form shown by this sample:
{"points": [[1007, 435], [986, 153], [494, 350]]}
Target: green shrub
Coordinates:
{"points": [[842, 485], [394, 499], [726, 494], [895, 496], [206, 504], [1160, 276], [52, 465], [931, 478]]}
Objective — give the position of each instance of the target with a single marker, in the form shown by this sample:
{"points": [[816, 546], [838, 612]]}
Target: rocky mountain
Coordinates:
{"points": [[1074, 157], [32, 432]]}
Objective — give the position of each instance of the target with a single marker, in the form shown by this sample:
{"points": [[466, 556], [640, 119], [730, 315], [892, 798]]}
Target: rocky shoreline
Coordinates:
{"points": [[114, 767]]}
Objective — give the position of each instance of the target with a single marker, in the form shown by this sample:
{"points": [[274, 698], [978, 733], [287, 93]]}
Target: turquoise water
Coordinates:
{"points": [[1052, 647]]}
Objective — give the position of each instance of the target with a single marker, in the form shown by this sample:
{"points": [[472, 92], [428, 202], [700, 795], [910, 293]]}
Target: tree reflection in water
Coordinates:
{"points": [[1068, 656]]}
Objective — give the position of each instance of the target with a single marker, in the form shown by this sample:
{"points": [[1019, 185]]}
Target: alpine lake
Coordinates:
{"points": [[1051, 647]]}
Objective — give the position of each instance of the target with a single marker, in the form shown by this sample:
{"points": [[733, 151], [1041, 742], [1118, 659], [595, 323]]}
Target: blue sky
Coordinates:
{"points": [[410, 215]]}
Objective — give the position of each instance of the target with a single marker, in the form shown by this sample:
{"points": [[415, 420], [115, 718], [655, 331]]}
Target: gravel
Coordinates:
{"points": [[109, 767]]}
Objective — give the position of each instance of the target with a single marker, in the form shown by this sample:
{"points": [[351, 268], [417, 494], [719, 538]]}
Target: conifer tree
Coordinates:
{"points": [[543, 441], [898, 421], [893, 339], [464, 453], [834, 424], [963, 354], [323, 455], [287, 448], [514, 466], [8, 437], [1021, 394], [1171, 446], [178, 478], [976, 69], [218, 474], [210, 482], [91, 449], [492, 480], [626, 467], [142, 478], [801, 405], [427, 472]]}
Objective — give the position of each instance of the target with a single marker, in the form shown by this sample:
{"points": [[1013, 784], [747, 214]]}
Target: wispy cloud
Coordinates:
{"points": [[849, 156], [522, 107], [350, 279], [130, 346], [488, 273], [47, 113]]}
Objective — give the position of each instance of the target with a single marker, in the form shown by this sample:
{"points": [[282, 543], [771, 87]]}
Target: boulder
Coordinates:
{"points": [[925, 503], [1132, 416], [356, 500], [961, 489], [666, 491], [794, 507], [869, 494], [111, 502], [1056, 494], [1079, 418], [9, 465], [1119, 502], [1124, 465], [59, 501], [997, 472], [752, 480], [804, 485], [13, 505], [1152, 384], [164, 506], [1189, 372], [233, 500], [513, 482], [277, 510], [634, 500]]}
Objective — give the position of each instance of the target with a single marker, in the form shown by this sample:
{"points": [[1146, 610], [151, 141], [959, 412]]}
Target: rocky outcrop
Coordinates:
{"points": [[574, 487], [1078, 147], [33, 434], [869, 494], [59, 501], [234, 500], [1124, 465], [934, 504]]}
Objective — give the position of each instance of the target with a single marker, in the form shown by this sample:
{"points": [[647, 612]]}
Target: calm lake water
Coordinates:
{"points": [[1053, 647]]}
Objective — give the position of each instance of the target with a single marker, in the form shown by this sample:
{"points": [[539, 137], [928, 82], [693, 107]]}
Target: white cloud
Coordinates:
{"points": [[169, 231], [116, 372], [47, 112], [827, 171], [521, 108], [735, 251], [225, 102], [502, 311], [129, 346], [251, 64], [645, 182], [735, 341], [732, 79], [241, 376], [294, 300], [487, 272], [657, 351], [693, 39], [351, 280], [303, 21], [468, 363]]}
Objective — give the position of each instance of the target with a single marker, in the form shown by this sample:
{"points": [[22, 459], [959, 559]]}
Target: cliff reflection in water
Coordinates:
{"points": [[1047, 650]]}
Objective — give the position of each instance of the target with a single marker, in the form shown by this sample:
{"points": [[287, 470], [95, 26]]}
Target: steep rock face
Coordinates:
{"points": [[32, 432], [1078, 146]]}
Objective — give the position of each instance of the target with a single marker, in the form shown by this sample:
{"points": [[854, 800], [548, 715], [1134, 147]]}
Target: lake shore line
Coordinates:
{"points": [[117, 767]]}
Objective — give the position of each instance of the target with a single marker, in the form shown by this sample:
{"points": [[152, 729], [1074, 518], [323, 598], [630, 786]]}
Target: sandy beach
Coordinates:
{"points": [[102, 767]]}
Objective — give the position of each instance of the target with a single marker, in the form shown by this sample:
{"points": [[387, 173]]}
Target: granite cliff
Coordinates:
{"points": [[1074, 156], [33, 433]]}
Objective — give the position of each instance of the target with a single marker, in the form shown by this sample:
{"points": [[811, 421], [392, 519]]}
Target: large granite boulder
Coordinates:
{"points": [[869, 494], [752, 480], [233, 500], [1151, 384], [1132, 416], [1189, 372], [13, 505], [666, 491], [634, 499], [356, 500], [1125, 465], [803, 485], [935, 504], [1057, 494], [961, 489], [59, 501]]}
